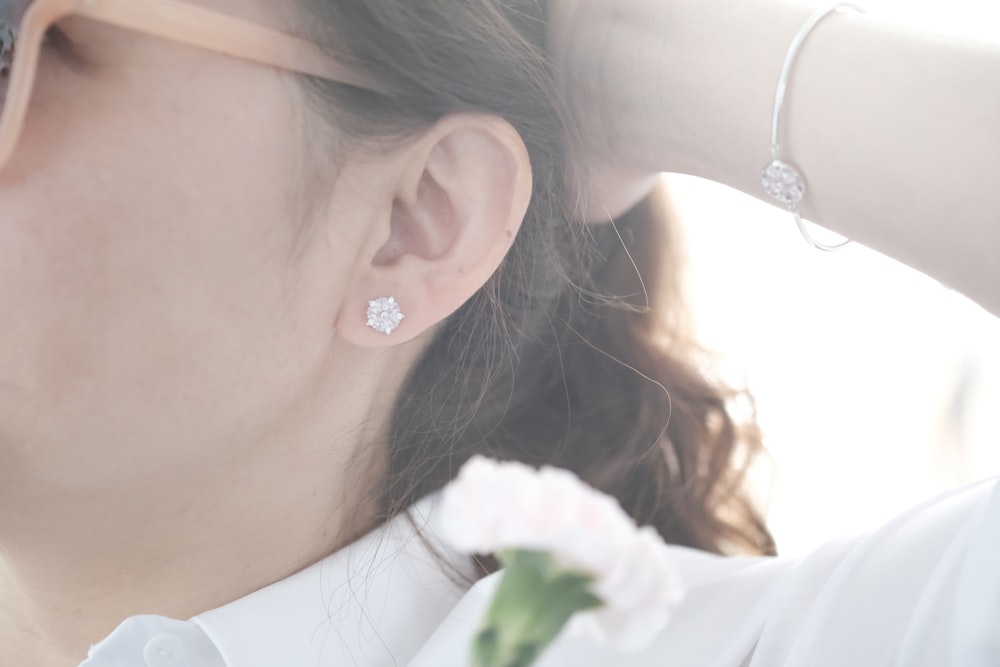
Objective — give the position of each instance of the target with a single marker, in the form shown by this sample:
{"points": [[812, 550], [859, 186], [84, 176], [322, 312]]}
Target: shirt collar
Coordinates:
{"points": [[374, 602]]}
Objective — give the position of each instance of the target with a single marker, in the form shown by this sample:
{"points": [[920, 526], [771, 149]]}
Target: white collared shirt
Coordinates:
{"points": [[923, 590], [374, 602]]}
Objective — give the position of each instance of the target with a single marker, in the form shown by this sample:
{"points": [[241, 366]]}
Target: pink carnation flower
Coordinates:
{"points": [[493, 506]]}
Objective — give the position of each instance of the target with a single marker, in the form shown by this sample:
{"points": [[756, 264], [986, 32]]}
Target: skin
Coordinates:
{"points": [[899, 152], [186, 381]]}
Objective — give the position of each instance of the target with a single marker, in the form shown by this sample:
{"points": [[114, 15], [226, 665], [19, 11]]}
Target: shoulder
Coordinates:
{"points": [[923, 589]]}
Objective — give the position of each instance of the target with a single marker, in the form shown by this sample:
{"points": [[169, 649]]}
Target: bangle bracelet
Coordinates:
{"points": [[783, 181]]}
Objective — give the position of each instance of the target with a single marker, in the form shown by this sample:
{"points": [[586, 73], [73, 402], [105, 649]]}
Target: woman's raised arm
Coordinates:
{"points": [[896, 130]]}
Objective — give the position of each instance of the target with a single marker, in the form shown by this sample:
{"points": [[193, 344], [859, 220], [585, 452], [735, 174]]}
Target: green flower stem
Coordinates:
{"points": [[533, 602]]}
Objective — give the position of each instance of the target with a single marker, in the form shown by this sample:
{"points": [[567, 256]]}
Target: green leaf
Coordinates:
{"points": [[534, 601]]}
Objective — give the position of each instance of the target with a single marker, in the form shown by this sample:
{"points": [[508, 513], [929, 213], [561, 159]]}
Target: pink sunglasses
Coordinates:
{"points": [[23, 24]]}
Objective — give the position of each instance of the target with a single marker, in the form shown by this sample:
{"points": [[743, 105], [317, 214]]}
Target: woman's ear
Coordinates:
{"points": [[457, 203]]}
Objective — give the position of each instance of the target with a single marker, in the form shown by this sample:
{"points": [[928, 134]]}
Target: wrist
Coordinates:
{"points": [[654, 83], [729, 56]]}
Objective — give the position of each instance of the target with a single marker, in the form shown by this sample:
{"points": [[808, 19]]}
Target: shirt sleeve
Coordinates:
{"points": [[922, 590]]}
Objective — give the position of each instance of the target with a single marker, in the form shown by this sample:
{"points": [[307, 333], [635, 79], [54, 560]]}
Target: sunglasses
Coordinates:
{"points": [[24, 24]]}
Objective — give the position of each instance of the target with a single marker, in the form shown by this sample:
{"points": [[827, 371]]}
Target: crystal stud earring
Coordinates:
{"points": [[384, 315]]}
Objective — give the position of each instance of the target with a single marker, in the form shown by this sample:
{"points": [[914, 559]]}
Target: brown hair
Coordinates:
{"points": [[576, 353]]}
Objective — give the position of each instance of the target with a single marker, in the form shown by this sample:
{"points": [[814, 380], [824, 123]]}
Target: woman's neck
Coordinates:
{"points": [[73, 568], [59, 598]]}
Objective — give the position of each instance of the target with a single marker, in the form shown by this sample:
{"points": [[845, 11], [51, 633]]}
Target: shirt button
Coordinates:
{"points": [[164, 651]]}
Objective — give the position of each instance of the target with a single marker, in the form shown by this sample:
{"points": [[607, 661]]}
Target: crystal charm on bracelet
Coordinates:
{"points": [[783, 182]]}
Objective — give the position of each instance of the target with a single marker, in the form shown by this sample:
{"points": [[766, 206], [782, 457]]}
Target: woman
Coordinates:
{"points": [[197, 412]]}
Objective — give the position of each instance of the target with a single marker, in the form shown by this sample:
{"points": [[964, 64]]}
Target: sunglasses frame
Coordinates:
{"points": [[175, 20]]}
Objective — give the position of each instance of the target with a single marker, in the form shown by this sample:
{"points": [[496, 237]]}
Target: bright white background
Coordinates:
{"points": [[876, 386]]}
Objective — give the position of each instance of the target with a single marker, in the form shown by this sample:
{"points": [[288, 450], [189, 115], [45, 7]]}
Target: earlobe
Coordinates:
{"points": [[457, 205]]}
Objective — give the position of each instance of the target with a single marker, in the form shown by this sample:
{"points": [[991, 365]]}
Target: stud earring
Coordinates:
{"points": [[384, 315]]}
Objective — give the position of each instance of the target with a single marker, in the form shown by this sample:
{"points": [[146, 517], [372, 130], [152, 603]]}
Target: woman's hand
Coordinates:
{"points": [[607, 76]]}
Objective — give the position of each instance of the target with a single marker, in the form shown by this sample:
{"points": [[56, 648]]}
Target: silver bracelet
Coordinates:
{"points": [[781, 180]]}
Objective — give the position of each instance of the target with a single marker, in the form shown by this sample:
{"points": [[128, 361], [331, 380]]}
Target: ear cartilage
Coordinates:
{"points": [[384, 315]]}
